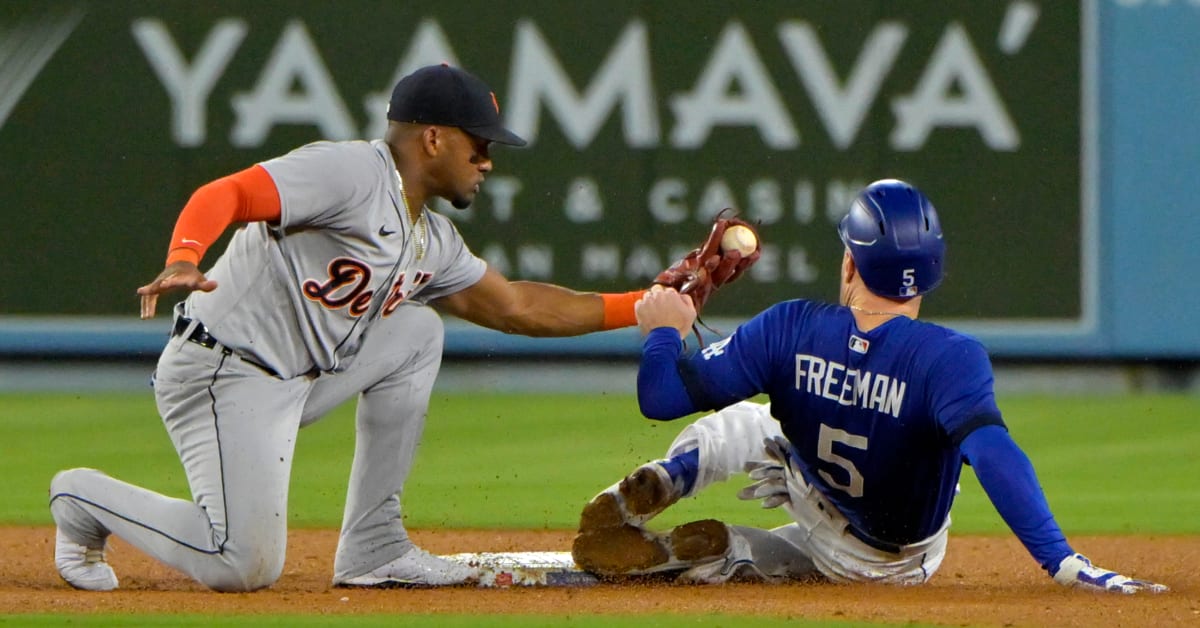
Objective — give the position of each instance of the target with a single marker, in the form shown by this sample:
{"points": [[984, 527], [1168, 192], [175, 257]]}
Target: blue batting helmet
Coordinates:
{"points": [[895, 238]]}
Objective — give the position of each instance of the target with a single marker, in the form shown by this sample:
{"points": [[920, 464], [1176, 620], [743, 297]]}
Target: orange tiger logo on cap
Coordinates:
{"points": [[495, 103]]}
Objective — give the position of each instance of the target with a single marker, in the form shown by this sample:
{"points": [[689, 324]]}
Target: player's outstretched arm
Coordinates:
{"points": [[665, 316], [528, 308], [1007, 476]]}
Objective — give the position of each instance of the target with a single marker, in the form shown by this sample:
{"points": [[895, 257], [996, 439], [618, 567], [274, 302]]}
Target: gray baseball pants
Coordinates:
{"points": [[235, 427]]}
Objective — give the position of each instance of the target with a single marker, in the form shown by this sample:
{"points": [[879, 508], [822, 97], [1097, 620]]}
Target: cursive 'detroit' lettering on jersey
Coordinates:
{"points": [[400, 292], [347, 286], [849, 387]]}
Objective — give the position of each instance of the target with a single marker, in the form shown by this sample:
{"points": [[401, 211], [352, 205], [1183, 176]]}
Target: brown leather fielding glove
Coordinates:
{"points": [[709, 267]]}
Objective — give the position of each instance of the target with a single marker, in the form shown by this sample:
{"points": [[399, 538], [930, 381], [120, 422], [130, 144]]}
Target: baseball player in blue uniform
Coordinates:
{"points": [[871, 415], [322, 296]]}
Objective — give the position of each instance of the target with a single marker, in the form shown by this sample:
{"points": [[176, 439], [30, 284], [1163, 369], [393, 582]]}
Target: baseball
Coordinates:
{"points": [[740, 239]]}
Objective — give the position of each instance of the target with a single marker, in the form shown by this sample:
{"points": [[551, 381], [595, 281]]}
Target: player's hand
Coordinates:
{"points": [[665, 307], [772, 475], [176, 275], [770, 484], [1077, 571]]}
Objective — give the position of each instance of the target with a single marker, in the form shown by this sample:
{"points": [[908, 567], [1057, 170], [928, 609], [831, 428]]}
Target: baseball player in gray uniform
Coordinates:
{"points": [[323, 294]]}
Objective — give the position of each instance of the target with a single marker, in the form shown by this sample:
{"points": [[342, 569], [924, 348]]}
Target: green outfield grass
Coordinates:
{"points": [[1109, 464]]}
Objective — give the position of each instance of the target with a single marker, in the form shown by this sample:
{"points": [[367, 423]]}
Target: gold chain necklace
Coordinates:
{"points": [[872, 312], [415, 227]]}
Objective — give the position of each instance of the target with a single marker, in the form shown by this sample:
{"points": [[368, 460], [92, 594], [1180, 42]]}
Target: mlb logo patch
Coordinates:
{"points": [[859, 345]]}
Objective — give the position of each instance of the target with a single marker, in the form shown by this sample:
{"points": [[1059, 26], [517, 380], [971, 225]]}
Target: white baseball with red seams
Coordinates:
{"points": [[739, 238]]}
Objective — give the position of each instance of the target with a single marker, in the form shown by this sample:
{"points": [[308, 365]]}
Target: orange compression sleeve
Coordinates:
{"points": [[618, 309], [246, 196]]}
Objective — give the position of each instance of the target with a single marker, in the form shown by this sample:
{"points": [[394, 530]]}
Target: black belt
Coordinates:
{"points": [[201, 337]]}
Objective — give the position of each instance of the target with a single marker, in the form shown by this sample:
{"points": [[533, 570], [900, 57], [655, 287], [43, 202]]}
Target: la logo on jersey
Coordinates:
{"points": [[715, 349], [859, 345]]}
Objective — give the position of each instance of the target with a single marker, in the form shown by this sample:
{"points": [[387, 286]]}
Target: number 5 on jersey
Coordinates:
{"points": [[825, 440]]}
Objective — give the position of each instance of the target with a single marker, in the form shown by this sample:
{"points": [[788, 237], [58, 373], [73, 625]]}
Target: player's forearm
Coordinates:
{"points": [[1008, 477], [531, 308], [246, 196], [661, 392], [547, 310]]}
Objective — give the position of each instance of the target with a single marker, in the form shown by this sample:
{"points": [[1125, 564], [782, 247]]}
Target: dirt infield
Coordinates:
{"points": [[984, 582]]}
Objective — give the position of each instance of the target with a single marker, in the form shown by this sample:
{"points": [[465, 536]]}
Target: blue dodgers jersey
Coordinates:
{"points": [[875, 417]]}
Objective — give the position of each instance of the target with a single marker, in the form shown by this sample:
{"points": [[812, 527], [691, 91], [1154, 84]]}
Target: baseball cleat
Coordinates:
{"points": [[415, 569], [620, 550], [733, 562], [700, 540], [81, 566], [636, 499], [631, 551]]}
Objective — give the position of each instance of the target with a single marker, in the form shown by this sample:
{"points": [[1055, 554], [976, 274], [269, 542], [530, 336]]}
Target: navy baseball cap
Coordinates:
{"points": [[448, 96]]}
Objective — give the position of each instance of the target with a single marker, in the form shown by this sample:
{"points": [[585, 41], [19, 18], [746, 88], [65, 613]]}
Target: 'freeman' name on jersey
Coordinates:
{"points": [[849, 387]]}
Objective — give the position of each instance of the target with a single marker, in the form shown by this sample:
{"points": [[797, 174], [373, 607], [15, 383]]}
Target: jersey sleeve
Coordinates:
{"points": [[1007, 475], [672, 384], [457, 267], [245, 196], [661, 392], [319, 182], [962, 394], [738, 367]]}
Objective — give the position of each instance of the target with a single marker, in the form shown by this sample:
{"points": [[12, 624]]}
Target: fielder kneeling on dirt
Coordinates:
{"points": [[871, 415]]}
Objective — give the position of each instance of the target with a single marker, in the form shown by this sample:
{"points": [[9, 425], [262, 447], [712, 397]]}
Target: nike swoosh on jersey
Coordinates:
{"points": [[384, 232], [189, 241]]}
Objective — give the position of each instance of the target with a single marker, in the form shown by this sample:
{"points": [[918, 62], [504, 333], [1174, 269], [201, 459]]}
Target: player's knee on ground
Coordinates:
{"points": [[68, 512], [232, 569]]}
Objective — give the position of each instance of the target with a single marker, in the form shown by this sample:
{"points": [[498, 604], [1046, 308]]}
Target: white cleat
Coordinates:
{"points": [[415, 569], [81, 566]]}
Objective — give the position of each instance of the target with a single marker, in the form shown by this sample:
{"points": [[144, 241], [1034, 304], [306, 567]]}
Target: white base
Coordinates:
{"points": [[526, 569]]}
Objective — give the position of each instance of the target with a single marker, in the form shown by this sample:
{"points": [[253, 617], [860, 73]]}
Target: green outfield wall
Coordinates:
{"points": [[645, 119], [1054, 137]]}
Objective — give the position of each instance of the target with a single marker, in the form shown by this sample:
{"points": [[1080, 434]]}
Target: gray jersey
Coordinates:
{"points": [[303, 294]]}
